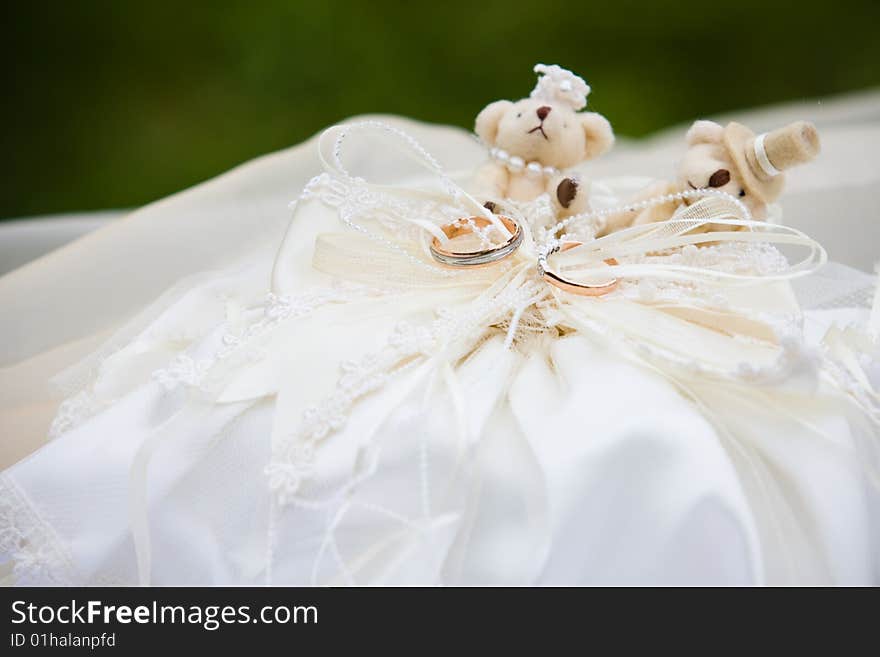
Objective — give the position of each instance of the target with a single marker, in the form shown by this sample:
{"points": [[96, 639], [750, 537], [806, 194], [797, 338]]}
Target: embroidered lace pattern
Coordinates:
{"points": [[451, 336], [36, 553], [187, 371]]}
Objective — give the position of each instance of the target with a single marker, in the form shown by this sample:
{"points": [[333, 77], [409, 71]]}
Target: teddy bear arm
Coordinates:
{"points": [[627, 218], [569, 194], [492, 180], [655, 213]]}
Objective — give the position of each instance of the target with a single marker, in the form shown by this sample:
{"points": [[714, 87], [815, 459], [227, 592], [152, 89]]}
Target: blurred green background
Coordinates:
{"points": [[114, 104]]}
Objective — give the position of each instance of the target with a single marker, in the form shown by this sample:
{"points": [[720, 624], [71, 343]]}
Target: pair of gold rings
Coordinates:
{"points": [[484, 257]]}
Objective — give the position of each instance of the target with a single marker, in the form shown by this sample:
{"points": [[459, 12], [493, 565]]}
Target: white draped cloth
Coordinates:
{"points": [[254, 395]]}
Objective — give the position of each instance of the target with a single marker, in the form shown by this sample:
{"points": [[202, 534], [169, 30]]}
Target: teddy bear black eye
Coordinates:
{"points": [[742, 192], [519, 114]]}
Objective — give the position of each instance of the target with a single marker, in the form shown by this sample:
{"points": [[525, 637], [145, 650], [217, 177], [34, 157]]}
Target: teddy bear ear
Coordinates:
{"points": [[704, 132], [600, 136], [486, 125]]}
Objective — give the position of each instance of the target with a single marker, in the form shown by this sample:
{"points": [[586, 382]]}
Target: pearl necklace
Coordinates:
{"points": [[553, 241], [515, 164], [553, 238]]}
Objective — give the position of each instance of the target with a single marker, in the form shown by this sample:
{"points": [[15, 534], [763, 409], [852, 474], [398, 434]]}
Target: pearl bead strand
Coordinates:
{"points": [[647, 203], [516, 164], [553, 239]]}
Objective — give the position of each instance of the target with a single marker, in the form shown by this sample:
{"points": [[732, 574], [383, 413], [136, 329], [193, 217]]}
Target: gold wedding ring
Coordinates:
{"points": [[466, 226], [581, 289]]}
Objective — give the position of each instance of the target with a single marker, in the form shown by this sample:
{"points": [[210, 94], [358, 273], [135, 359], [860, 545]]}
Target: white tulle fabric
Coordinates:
{"points": [[324, 405]]}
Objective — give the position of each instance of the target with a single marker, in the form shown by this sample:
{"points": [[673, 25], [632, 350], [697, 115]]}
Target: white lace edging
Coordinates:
{"points": [[74, 410], [448, 337], [27, 540], [184, 370]]}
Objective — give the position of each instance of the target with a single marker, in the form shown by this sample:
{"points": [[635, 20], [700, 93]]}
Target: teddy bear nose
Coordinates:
{"points": [[543, 111]]}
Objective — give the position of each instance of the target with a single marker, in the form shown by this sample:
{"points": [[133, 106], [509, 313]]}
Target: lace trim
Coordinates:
{"points": [[730, 257], [186, 371], [37, 554], [293, 459], [851, 357], [75, 410], [451, 335]]}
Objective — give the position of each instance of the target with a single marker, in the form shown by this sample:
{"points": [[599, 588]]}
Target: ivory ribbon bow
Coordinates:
{"points": [[427, 199]]}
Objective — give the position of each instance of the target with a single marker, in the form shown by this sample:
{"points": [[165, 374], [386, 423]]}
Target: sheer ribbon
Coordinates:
{"points": [[341, 255]]}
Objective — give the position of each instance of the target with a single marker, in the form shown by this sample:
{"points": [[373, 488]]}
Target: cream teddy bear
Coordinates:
{"points": [[534, 140], [731, 159]]}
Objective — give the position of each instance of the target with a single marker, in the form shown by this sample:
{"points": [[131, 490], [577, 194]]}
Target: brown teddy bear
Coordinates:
{"points": [[730, 159], [534, 140]]}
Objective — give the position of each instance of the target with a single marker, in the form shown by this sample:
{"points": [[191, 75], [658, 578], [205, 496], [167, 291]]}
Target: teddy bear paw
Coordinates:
{"points": [[566, 191], [496, 208]]}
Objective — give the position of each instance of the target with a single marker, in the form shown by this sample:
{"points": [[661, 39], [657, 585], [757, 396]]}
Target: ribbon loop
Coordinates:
{"points": [[425, 197], [331, 149]]}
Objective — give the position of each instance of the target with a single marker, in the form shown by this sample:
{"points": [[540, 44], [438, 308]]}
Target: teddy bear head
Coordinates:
{"points": [[547, 127], [734, 160]]}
